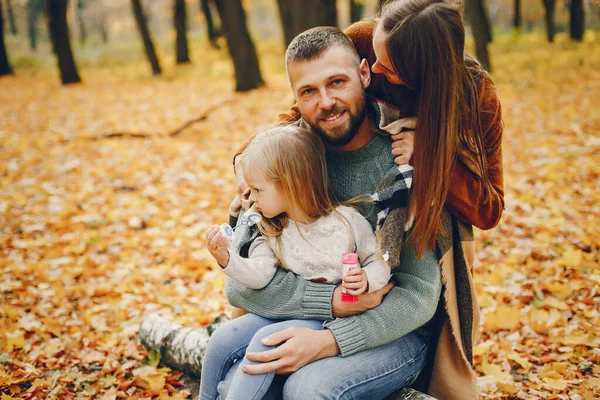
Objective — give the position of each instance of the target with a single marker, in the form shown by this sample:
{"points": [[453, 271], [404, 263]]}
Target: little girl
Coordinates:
{"points": [[304, 230]]}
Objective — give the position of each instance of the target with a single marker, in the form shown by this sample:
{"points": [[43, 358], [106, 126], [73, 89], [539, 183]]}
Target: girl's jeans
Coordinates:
{"points": [[229, 344], [369, 374]]}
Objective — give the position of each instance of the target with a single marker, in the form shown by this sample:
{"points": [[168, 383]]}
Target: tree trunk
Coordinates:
{"points": [[210, 25], [517, 15], [56, 12], [357, 8], [34, 7], [577, 20], [82, 30], [475, 11], [102, 26], [180, 21], [11, 17], [549, 7], [140, 20], [5, 68], [300, 15], [240, 45]]}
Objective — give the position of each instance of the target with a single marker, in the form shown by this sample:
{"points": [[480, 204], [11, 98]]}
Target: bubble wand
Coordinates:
{"points": [[250, 218]]}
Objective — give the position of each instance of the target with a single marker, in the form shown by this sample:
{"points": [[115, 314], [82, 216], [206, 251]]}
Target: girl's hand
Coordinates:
{"points": [[403, 146], [218, 245], [355, 282]]}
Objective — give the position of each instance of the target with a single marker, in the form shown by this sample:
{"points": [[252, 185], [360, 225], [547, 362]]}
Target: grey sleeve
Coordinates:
{"points": [[409, 305]]}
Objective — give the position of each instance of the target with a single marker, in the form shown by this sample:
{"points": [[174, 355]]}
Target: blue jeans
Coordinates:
{"points": [[228, 345], [369, 374]]}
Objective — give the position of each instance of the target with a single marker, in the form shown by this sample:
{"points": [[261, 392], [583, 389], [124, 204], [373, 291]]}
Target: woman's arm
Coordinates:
{"points": [[409, 305]]}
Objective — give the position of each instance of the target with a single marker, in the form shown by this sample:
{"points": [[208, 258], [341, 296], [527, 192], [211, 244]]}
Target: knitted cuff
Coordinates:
{"points": [[348, 335], [316, 303]]}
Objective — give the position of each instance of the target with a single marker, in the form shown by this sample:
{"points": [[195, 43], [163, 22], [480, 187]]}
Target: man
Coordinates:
{"points": [[381, 340]]}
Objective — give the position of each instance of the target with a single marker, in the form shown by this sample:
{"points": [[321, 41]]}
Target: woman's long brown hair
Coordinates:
{"points": [[426, 40]]}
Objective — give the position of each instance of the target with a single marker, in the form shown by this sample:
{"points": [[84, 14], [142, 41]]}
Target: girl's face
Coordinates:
{"points": [[383, 65], [268, 200]]}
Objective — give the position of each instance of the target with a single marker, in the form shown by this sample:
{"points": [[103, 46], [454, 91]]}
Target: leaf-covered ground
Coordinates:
{"points": [[99, 227]]}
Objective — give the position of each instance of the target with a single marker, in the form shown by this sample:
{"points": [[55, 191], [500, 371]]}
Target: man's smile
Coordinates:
{"points": [[333, 117]]}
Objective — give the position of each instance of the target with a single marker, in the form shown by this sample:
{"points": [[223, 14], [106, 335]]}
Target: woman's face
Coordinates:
{"points": [[383, 65]]}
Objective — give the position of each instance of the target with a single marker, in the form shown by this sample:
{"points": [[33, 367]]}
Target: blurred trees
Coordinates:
{"points": [[56, 13], [5, 68], [477, 15], [81, 22], [517, 15], [34, 10], [11, 17], [577, 20], [213, 33], [357, 9], [300, 15], [549, 8], [180, 22], [240, 45], [141, 22]]}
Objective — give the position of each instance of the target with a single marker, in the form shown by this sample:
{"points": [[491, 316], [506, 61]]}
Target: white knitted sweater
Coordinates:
{"points": [[314, 252]]}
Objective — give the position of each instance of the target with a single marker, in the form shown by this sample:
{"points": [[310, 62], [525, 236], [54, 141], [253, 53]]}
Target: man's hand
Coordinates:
{"points": [[302, 346], [365, 301], [403, 146]]}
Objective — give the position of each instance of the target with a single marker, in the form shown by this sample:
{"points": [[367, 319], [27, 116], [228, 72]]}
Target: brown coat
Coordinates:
{"points": [[465, 195]]}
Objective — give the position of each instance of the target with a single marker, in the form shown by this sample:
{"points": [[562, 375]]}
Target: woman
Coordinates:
{"points": [[416, 51]]}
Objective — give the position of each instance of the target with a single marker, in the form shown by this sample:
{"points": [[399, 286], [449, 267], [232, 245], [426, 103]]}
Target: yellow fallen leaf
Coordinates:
{"points": [[522, 361], [504, 317], [16, 340], [152, 381], [495, 371], [554, 383], [571, 258]]}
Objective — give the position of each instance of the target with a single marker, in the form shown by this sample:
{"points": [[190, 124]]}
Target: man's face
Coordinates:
{"points": [[330, 91]]}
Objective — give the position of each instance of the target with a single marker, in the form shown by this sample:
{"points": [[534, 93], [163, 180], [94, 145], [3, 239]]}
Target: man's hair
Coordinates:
{"points": [[312, 43]]}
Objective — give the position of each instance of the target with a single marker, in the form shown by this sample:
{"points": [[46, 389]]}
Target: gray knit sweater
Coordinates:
{"points": [[408, 306]]}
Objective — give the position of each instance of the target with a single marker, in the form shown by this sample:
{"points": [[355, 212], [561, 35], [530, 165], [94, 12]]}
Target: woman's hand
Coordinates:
{"points": [[365, 301], [218, 245], [403, 146], [355, 281]]}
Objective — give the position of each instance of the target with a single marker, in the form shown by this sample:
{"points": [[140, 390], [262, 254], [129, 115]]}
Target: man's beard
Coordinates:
{"points": [[340, 136]]}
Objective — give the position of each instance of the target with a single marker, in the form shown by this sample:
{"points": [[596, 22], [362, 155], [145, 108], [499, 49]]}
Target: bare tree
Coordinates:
{"points": [[549, 8], [180, 21], [517, 15], [34, 9], [142, 25], [5, 68], [476, 12], [357, 8], [56, 13], [240, 45], [80, 22], [300, 15], [213, 33], [576, 20], [11, 18]]}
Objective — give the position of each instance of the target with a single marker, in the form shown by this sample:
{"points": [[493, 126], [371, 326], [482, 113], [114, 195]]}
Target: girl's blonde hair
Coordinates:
{"points": [[293, 159]]}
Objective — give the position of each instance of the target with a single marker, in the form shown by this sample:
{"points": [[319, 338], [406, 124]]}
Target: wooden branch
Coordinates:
{"points": [[173, 133]]}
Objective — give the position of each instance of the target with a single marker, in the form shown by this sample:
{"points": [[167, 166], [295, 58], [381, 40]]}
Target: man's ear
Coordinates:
{"points": [[365, 73]]}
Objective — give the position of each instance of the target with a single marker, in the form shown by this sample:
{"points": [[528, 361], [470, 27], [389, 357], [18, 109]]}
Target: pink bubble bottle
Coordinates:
{"points": [[349, 263]]}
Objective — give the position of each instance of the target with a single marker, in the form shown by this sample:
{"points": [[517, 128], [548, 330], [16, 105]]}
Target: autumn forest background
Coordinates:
{"points": [[118, 121]]}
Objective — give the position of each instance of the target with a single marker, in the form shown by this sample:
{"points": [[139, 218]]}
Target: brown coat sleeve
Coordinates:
{"points": [[465, 198]]}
